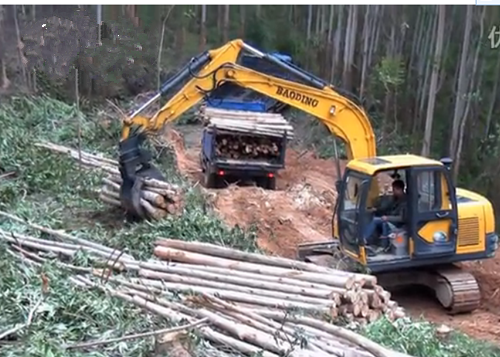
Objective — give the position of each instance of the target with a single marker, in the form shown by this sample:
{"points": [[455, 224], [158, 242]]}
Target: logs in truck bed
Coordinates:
{"points": [[247, 135], [246, 147]]}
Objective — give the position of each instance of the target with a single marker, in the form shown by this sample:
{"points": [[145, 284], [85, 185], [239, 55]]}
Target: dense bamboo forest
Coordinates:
{"points": [[427, 75]]}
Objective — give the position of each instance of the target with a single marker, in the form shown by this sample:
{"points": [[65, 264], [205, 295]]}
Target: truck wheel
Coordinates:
{"points": [[210, 180], [271, 183]]}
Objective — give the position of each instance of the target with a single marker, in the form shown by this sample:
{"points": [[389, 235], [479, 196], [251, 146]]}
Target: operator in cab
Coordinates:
{"points": [[387, 217]]}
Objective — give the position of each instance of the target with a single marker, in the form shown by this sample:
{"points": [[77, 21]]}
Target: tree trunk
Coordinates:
{"points": [[330, 24], [337, 42], [225, 36], [132, 14], [242, 21], [429, 120], [462, 84], [427, 62], [366, 42], [318, 20], [309, 21], [19, 46], [203, 28], [471, 85], [350, 42]]}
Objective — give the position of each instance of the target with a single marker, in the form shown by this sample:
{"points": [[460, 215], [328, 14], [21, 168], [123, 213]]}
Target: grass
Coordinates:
{"points": [[418, 338], [53, 191]]}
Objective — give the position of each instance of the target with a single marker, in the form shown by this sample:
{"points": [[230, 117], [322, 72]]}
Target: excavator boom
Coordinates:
{"points": [[212, 69]]}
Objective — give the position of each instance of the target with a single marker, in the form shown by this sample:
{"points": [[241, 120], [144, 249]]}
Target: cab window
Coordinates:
{"points": [[428, 191], [352, 193]]}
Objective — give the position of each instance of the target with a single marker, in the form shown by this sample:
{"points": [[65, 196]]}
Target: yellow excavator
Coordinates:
{"points": [[443, 225]]}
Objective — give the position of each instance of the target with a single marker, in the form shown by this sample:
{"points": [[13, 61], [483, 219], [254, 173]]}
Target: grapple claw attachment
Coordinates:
{"points": [[134, 165]]}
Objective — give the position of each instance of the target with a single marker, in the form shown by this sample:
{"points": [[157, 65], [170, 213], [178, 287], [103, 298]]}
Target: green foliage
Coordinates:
{"points": [[419, 339], [52, 190], [67, 315], [390, 73]]}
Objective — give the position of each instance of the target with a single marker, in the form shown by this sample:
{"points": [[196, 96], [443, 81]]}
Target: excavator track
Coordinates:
{"points": [[457, 290]]}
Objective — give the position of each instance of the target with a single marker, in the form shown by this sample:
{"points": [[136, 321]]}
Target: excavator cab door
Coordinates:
{"points": [[433, 213], [351, 207]]}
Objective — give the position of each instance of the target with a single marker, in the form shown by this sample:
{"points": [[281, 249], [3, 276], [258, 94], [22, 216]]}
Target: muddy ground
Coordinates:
{"points": [[300, 211]]}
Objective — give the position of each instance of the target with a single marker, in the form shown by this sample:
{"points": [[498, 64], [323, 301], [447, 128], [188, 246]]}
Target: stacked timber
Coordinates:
{"points": [[270, 282], [246, 135], [245, 303], [247, 147], [158, 198]]}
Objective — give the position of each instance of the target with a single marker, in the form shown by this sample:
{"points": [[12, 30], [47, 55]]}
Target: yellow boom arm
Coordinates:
{"points": [[343, 118]]}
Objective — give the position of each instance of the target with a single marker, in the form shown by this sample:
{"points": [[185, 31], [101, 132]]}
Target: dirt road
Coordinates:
{"points": [[300, 211]]}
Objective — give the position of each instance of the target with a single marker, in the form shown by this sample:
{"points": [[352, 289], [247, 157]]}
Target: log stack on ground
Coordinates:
{"points": [[158, 198], [257, 279], [246, 135], [257, 305]]}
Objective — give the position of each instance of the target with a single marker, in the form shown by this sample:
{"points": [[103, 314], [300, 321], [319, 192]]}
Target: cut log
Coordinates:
{"points": [[258, 283], [232, 295], [229, 253], [246, 275], [195, 258], [175, 278]]}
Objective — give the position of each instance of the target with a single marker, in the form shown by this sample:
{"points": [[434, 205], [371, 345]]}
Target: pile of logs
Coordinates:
{"points": [[245, 147], [255, 304], [271, 281], [246, 135], [158, 198]]}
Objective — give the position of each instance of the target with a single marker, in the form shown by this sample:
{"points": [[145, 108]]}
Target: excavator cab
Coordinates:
{"points": [[425, 246], [429, 229]]}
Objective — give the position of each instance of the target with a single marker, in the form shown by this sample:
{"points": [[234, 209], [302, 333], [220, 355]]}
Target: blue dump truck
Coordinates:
{"points": [[218, 169]]}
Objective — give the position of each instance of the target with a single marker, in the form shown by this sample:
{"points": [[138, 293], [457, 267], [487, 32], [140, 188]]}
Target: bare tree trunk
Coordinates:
{"points": [[5, 79], [160, 47], [429, 120], [19, 46], [431, 41], [350, 42], [203, 28], [225, 35], [462, 84], [309, 21], [337, 42], [330, 24], [318, 20], [242, 21], [132, 14], [3, 66], [456, 164], [375, 29], [309, 32], [323, 28], [366, 42], [220, 21]]}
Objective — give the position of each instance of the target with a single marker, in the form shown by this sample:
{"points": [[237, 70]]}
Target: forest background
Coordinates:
{"points": [[427, 75]]}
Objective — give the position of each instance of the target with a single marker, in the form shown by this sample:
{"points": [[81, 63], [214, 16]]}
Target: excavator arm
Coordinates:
{"points": [[212, 69]]}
